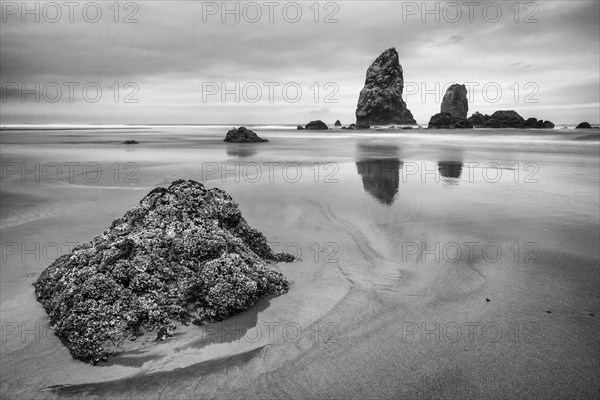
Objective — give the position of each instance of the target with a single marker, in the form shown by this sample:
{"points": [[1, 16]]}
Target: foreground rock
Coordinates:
{"points": [[455, 101], [584, 125], [243, 135], [184, 254], [380, 101], [448, 121], [317, 125]]}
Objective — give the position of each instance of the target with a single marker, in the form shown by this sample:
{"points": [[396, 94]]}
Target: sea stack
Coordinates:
{"points": [[455, 101], [380, 101], [454, 109]]}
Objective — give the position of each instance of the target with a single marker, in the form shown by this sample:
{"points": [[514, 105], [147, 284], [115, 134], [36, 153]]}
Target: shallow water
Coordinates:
{"points": [[402, 235]]}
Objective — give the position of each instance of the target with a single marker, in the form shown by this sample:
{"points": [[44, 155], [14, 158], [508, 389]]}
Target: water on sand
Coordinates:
{"points": [[444, 264]]}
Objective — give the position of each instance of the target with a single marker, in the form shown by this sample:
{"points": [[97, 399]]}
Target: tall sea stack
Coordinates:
{"points": [[455, 101], [380, 101]]}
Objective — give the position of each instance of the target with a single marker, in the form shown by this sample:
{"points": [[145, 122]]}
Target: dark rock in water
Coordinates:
{"points": [[185, 253], [407, 127], [537, 124], [352, 126], [505, 119], [544, 125], [337, 123], [129, 141], [455, 101], [300, 128], [317, 125], [448, 121], [531, 123], [380, 101], [362, 126], [583, 125], [478, 119], [243, 135]]}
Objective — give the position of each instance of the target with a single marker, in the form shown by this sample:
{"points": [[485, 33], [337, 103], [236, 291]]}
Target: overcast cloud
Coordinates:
{"points": [[545, 63]]}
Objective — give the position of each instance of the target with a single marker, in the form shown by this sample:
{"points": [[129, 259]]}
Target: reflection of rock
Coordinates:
{"points": [[455, 101], [130, 141], [317, 125], [381, 178], [448, 121], [380, 101], [241, 150], [450, 169], [242, 135], [337, 123], [584, 125]]}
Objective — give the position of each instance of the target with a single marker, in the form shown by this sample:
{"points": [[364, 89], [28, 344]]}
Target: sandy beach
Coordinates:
{"points": [[431, 265]]}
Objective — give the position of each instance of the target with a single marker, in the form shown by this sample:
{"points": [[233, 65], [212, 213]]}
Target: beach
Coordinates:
{"points": [[431, 264]]}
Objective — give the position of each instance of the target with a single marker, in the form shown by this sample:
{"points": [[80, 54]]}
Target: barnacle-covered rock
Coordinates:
{"points": [[184, 254]]}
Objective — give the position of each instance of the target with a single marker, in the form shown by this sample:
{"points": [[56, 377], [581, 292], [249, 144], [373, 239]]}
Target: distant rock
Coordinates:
{"points": [[478, 119], [584, 125], [183, 254], [380, 101], [317, 125], [243, 135], [337, 123], [505, 119], [448, 121], [129, 141], [511, 119], [300, 128], [455, 101], [534, 123]]}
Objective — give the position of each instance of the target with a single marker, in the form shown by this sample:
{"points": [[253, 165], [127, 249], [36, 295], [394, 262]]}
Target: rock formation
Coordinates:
{"points": [[131, 141], [184, 254], [380, 101], [455, 101], [337, 123], [584, 125], [448, 121], [317, 125], [243, 135], [300, 128], [478, 119], [511, 119], [454, 109]]}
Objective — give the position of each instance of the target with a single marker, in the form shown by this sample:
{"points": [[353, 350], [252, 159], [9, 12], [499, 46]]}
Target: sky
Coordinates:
{"points": [[285, 62]]}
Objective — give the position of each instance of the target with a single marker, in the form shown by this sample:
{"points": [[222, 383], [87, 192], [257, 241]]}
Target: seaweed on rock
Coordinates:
{"points": [[184, 254]]}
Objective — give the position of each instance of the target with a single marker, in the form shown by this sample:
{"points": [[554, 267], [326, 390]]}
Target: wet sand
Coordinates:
{"points": [[393, 295]]}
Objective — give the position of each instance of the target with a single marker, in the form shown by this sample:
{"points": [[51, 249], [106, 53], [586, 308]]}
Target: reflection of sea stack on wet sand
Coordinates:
{"points": [[450, 169], [380, 175]]}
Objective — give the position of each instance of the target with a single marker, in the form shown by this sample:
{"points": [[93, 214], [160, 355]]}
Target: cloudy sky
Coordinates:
{"points": [[194, 62]]}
